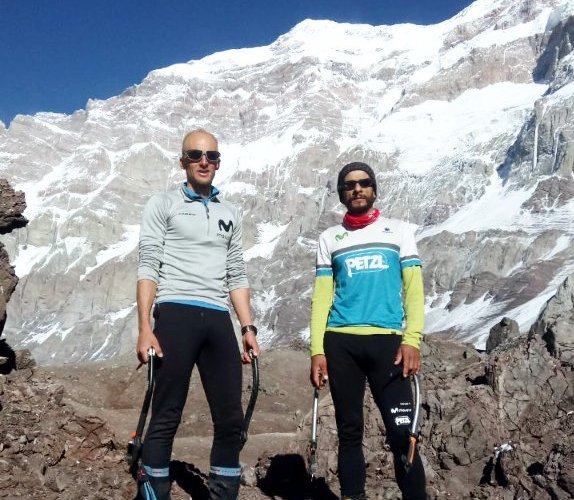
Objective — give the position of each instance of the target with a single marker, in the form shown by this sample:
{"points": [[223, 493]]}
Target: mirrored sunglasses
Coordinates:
{"points": [[364, 183], [195, 155]]}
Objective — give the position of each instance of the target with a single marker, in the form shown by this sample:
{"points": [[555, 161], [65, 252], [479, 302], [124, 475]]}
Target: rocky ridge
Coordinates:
{"points": [[496, 425]]}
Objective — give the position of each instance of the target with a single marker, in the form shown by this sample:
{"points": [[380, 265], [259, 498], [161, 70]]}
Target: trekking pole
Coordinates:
{"points": [[414, 431], [313, 442], [252, 398], [135, 445]]}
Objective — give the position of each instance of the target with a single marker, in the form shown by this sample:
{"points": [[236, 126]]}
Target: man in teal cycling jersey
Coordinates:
{"points": [[367, 318]]}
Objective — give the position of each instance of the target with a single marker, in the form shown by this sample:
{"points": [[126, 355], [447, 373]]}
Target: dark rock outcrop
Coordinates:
{"points": [[556, 323], [501, 332], [12, 205], [559, 45]]}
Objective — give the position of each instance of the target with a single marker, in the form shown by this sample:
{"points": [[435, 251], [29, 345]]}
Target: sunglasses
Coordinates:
{"points": [[195, 155], [364, 183]]}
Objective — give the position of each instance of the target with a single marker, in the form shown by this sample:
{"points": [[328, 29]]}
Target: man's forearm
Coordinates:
{"points": [[146, 292], [414, 305], [320, 307], [241, 302]]}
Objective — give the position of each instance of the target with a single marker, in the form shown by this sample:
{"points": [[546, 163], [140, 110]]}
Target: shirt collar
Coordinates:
{"points": [[191, 195]]}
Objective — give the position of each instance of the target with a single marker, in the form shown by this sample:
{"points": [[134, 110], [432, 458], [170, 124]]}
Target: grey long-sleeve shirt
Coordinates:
{"points": [[192, 249]]}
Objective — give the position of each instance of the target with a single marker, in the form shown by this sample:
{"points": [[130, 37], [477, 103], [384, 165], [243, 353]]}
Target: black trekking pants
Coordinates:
{"points": [[190, 335], [351, 361]]}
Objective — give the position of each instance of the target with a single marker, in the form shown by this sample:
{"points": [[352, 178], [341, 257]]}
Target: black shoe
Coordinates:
{"points": [[223, 487]]}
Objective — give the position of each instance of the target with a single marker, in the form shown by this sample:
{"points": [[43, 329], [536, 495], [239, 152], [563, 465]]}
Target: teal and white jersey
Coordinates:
{"points": [[366, 267]]}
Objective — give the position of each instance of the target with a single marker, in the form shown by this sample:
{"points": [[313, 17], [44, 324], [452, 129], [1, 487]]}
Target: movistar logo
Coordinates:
{"points": [[400, 410], [339, 237], [365, 264], [223, 226]]}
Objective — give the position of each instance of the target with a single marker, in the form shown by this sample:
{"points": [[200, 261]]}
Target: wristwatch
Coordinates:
{"points": [[248, 328]]}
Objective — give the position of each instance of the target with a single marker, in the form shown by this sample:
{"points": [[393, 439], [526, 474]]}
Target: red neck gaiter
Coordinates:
{"points": [[351, 221]]}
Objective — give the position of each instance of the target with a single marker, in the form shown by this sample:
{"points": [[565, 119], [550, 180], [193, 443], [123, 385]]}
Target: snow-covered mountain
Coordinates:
{"points": [[467, 123]]}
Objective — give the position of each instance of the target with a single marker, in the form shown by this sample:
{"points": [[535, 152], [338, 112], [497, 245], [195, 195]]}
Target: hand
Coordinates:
{"points": [[249, 344], [410, 357], [319, 374], [147, 339]]}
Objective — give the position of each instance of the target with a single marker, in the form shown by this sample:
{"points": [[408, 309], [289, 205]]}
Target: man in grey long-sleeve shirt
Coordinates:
{"points": [[190, 261]]}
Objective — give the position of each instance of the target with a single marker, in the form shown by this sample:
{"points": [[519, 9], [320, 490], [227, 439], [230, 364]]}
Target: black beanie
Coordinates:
{"points": [[349, 167]]}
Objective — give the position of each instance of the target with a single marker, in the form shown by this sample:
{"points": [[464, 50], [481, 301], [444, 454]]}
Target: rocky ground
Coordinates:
{"points": [[284, 397], [64, 430], [496, 426]]}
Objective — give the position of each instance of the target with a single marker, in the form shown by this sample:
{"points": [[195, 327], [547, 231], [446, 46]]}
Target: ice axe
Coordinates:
{"points": [[252, 398], [414, 431], [135, 444], [313, 441]]}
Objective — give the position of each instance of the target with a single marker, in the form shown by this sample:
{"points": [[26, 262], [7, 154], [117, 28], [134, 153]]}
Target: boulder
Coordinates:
{"points": [[499, 333]]}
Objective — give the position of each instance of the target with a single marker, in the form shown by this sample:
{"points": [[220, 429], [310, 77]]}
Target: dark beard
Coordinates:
{"points": [[359, 211]]}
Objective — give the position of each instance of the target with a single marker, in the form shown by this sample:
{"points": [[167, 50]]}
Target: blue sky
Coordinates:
{"points": [[56, 54]]}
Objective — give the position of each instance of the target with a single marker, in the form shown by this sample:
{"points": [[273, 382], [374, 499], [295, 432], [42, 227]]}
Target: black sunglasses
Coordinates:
{"points": [[364, 183], [195, 155]]}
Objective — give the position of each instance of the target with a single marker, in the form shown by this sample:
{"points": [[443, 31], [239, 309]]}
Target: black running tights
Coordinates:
{"points": [[351, 361], [190, 335]]}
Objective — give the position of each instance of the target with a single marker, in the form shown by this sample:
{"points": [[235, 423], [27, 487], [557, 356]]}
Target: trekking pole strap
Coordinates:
{"points": [[136, 444], [149, 392], [252, 398]]}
